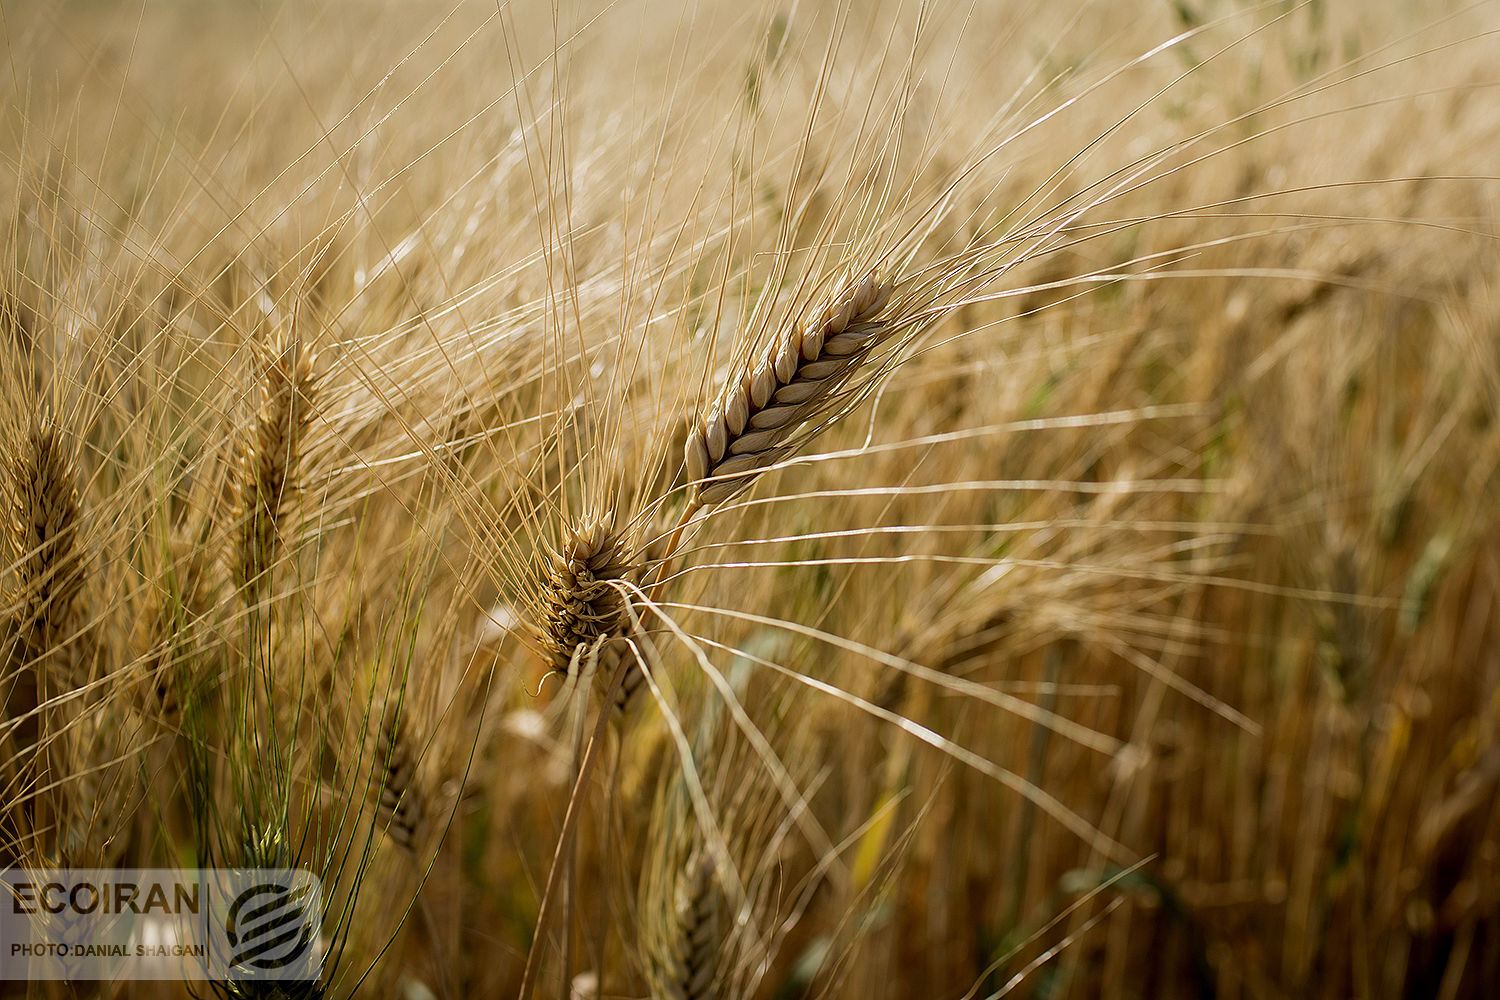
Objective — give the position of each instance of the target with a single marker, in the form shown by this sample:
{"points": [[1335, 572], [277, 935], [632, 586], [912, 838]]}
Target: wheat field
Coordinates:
{"points": [[765, 499]]}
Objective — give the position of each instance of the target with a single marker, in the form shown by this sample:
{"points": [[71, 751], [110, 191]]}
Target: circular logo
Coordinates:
{"points": [[268, 927]]}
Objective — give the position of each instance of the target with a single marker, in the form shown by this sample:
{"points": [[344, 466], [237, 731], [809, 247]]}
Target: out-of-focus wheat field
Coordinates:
{"points": [[1127, 624]]}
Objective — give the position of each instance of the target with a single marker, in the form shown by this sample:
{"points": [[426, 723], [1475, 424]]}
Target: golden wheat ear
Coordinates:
{"points": [[400, 807], [42, 631], [45, 521], [756, 418], [581, 600], [272, 452], [693, 968]]}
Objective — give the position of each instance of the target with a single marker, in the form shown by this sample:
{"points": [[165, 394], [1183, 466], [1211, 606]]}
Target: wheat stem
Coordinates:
{"points": [[565, 838]]}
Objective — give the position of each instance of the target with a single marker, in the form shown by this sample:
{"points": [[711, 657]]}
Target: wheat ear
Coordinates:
{"points": [[693, 964], [44, 525], [399, 810], [268, 482], [756, 417], [581, 602], [48, 572]]}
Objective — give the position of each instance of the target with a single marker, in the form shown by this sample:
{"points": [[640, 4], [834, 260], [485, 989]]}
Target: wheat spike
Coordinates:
{"points": [[582, 604], [399, 809], [693, 966], [631, 683], [44, 525], [755, 418], [269, 472], [39, 641]]}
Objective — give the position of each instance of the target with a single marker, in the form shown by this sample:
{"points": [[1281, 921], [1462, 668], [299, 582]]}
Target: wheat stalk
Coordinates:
{"points": [[763, 411], [632, 682], [755, 419], [269, 476]]}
